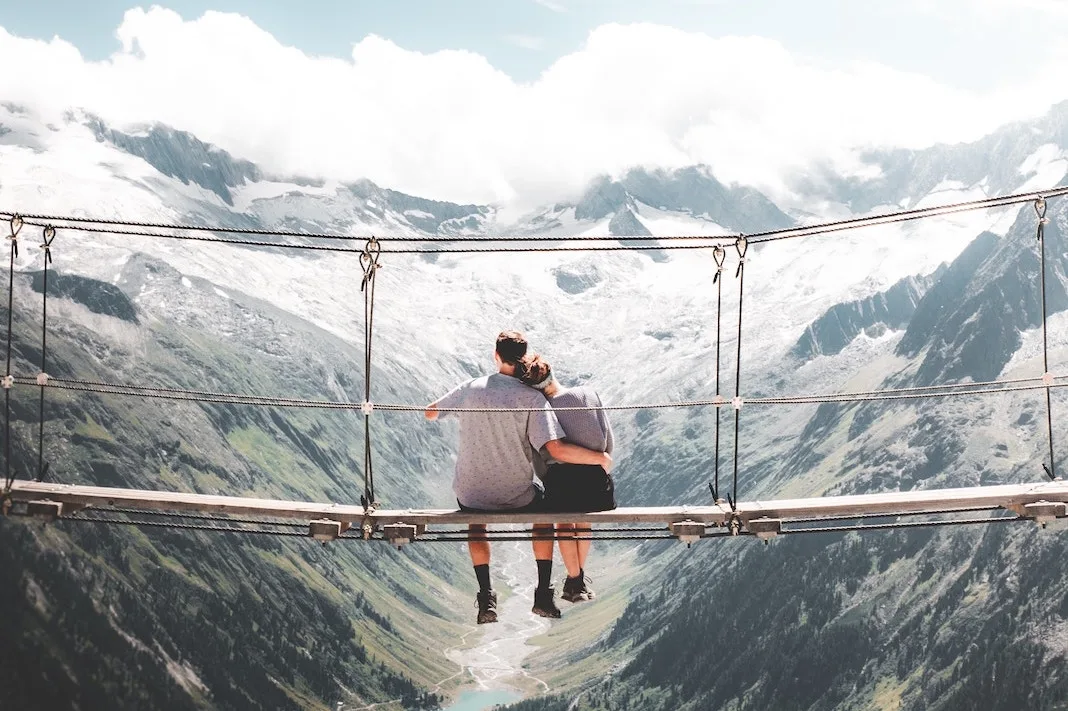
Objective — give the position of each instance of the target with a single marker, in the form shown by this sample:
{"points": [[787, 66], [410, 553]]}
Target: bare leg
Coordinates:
{"points": [[477, 545], [569, 549], [542, 542], [479, 548], [583, 546]]}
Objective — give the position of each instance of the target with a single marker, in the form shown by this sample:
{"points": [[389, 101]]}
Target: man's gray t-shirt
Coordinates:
{"points": [[586, 428], [495, 464]]}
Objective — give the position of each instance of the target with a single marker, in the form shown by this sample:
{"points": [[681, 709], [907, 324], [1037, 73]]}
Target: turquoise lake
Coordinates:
{"points": [[481, 700]]}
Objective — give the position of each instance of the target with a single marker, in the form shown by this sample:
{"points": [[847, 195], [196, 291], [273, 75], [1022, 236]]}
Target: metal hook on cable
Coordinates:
{"points": [[369, 260], [1040, 210], [742, 245], [49, 235], [16, 227], [720, 255]]}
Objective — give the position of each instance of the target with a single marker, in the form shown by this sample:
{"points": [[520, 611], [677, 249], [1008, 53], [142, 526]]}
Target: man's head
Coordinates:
{"points": [[511, 348]]}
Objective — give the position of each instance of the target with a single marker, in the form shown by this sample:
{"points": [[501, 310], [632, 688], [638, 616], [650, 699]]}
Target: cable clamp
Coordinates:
{"points": [[49, 235], [367, 408], [1040, 210], [742, 245], [720, 255], [42, 379], [737, 402], [7, 381], [16, 227], [1047, 379], [369, 260], [718, 401]]}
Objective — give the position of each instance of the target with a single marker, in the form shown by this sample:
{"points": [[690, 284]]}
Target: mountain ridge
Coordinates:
{"points": [[638, 329]]}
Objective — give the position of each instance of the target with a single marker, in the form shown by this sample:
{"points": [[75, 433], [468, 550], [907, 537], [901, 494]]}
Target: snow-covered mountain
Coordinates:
{"points": [[156, 173]]}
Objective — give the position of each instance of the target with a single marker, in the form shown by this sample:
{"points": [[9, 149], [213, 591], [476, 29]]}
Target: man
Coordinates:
{"points": [[495, 463], [569, 486]]}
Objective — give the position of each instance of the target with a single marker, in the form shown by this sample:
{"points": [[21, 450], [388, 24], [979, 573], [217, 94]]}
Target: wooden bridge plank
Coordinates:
{"points": [[103, 498]]}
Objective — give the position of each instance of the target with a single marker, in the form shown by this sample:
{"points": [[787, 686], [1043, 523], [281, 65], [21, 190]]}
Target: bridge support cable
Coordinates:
{"points": [[720, 256], [742, 246], [48, 235], [418, 534], [14, 226], [194, 232], [370, 264], [1047, 377], [204, 396]]}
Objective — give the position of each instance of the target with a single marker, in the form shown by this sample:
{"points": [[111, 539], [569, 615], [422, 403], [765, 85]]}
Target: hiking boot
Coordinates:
{"points": [[586, 590], [544, 604], [487, 607], [577, 589]]}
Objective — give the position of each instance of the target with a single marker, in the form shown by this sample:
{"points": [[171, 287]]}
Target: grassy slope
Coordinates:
{"points": [[311, 621]]}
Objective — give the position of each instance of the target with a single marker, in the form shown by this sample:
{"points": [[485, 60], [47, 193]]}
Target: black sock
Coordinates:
{"points": [[582, 574], [482, 573], [545, 573]]}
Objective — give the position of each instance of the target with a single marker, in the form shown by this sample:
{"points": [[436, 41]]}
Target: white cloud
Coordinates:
{"points": [[554, 6], [451, 126], [995, 11], [526, 41]]}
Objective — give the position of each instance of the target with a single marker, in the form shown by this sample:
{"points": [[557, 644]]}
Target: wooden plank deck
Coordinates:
{"points": [[1007, 496]]}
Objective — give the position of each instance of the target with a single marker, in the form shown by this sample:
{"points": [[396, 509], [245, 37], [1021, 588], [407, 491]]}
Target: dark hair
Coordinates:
{"points": [[534, 369], [511, 346]]}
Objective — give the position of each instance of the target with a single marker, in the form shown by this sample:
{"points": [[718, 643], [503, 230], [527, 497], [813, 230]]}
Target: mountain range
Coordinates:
{"points": [[942, 619]]}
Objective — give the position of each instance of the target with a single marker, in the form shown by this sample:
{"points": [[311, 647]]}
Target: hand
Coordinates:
{"points": [[606, 461]]}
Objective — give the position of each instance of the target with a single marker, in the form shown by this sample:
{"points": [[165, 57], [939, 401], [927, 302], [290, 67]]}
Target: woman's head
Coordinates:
{"points": [[536, 372]]}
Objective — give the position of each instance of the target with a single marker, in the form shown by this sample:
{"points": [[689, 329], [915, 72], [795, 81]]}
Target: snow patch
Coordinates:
{"points": [[249, 193], [663, 223], [1046, 166], [186, 283]]}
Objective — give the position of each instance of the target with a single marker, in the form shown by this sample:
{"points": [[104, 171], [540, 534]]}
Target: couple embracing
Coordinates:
{"points": [[500, 452]]}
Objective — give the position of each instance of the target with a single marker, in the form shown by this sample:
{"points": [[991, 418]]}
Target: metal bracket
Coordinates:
{"points": [[400, 533], [45, 510], [324, 529], [1044, 512], [687, 532], [764, 528]]}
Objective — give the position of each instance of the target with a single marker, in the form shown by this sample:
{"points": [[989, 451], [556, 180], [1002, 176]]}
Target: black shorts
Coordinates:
{"points": [[535, 506], [578, 488]]}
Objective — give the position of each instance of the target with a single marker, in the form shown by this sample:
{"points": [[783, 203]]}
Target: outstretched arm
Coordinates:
{"points": [[454, 398], [569, 453]]}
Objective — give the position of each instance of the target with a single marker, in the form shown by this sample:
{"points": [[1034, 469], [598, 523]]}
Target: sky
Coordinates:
{"points": [[526, 100]]}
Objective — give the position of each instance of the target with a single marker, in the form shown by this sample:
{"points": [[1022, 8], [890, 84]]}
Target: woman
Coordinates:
{"points": [[573, 487]]}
